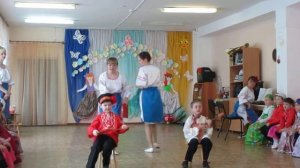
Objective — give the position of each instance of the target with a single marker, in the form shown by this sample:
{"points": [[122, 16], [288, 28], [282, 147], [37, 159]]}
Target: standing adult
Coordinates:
{"points": [[111, 81], [148, 80], [6, 83]]}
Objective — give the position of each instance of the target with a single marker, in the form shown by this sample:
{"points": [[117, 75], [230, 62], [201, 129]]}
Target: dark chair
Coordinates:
{"points": [[221, 108], [211, 109]]}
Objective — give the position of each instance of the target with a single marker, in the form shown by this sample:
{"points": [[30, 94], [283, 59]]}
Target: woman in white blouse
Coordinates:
{"points": [[111, 81], [148, 80], [5, 83]]}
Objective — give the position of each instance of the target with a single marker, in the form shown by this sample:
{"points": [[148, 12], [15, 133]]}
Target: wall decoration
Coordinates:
{"points": [[76, 48], [124, 48], [79, 37]]}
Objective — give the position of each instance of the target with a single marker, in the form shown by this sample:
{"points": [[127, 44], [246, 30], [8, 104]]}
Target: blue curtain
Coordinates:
{"points": [[128, 65], [76, 46]]}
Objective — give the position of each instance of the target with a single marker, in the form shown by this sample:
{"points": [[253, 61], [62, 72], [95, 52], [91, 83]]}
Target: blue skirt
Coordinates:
{"points": [[7, 102], [250, 112], [116, 108], [151, 105]]}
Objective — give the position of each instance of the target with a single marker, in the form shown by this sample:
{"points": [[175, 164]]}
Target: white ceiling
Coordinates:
{"points": [[120, 14]]}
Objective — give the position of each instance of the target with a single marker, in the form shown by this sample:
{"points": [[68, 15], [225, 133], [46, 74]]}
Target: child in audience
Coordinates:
{"points": [[254, 135], [197, 130], [14, 140], [105, 129], [286, 138], [7, 153], [275, 118], [286, 121], [296, 131]]}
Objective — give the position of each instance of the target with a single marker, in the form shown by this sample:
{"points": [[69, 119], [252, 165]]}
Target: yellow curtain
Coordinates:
{"points": [[180, 51]]}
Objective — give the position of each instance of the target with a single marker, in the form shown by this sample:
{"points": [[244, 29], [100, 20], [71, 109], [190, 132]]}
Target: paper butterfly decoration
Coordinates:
{"points": [[188, 75], [74, 54], [79, 37], [183, 58]]}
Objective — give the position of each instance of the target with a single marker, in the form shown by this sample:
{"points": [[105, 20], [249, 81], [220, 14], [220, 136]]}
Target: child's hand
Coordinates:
{"points": [[2, 148], [209, 123], [201, 127], [124, 127], [95, 132]]}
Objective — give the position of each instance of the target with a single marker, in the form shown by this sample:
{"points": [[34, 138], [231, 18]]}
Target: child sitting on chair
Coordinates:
{"points": [[286, 121], [197, 130], [105, 129], [296, 131], [254, 136]]}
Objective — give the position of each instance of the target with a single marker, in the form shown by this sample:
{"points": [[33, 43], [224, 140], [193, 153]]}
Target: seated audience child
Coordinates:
{"points": [[7, 154], [287, 133], [12, 136], [105, 130], [275, 118], [296, 131], [286, 121], [254, 135], [197, 130]]}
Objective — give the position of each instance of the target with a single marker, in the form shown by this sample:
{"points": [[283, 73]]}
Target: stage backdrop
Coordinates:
{"points": [[126, 45]]}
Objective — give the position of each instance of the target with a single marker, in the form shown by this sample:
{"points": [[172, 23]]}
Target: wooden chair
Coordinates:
{"points": [[100, 159], [15, 124], [221, 108]]}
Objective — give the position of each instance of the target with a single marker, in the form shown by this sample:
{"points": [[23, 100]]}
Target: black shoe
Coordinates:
{"points": [[105, 166], [185, 164], [205, 165]]}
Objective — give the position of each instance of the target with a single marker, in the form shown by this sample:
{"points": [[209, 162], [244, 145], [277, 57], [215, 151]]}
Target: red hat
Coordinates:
{"points": [[107, 97]]}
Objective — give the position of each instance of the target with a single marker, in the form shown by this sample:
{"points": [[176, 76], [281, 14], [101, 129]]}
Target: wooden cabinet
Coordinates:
{"points": [[205, 91], [249, 63]]}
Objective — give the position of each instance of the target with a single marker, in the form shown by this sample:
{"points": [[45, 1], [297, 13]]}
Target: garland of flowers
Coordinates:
{"points": [[119, 51], [127, 47]]}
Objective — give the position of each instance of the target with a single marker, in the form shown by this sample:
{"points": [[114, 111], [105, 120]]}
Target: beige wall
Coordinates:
{"points": [[258, 33], [37, 34], [4, 35]]}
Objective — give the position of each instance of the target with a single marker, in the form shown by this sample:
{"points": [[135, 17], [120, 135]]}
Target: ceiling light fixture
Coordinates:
{"points": [[190, 10], [44, 5], [47, 20]]}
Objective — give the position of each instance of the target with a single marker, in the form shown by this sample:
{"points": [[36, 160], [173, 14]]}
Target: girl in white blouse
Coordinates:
{"points": [[5, 83]]}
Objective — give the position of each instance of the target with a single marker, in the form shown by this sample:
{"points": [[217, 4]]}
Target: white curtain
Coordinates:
{"points": [[98, 40], [39, 93], [157, 40]]}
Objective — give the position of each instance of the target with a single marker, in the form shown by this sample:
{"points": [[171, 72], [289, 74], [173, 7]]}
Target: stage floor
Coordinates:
{"points": [[68, 147]]}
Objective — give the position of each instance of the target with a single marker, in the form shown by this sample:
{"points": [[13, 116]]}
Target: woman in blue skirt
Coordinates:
{"points": [[148, 80]]}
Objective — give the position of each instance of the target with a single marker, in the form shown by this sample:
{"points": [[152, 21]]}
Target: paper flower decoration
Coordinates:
{"points": [[79, 61], [74, 64], [120, 50]]}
